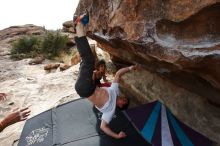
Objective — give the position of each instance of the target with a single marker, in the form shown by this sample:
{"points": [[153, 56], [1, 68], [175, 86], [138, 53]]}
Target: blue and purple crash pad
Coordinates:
{"points": [[160, 127]]}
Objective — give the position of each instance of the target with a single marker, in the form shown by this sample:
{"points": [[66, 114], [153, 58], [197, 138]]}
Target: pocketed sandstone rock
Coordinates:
{"points": [[51, 66], [64, 67]]}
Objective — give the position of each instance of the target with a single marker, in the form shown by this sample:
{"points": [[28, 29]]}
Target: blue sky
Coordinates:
{"points": [[48, 13]]}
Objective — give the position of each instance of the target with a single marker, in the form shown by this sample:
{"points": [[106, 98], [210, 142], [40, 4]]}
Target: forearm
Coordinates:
{"points": [[3, 125], [16, 116], [122, 71], [109, 132], [93, 76]]}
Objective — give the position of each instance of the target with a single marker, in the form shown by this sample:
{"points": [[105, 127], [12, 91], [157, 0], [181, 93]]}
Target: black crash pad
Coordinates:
{"points": [[77, 124]]}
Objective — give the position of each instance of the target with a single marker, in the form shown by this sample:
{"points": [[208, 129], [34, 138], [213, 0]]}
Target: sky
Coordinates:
{"points": [[49, 13]]}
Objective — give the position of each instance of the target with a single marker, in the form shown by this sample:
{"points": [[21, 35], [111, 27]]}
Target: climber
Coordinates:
{"points": [[104, 98]]}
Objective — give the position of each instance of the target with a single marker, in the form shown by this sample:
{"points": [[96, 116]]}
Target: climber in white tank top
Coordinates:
{"points": [[105, 98]]}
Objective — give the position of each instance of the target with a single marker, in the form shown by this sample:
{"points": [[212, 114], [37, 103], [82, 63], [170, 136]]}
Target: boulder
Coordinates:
{"points": [[178, 41], [75, 59], [28, 29], [51, 66], [64, 67]]}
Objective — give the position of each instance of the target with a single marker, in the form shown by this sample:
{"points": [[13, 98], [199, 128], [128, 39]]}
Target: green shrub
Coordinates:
{"points": [[28, 46], [31, 46], [53, 43]]}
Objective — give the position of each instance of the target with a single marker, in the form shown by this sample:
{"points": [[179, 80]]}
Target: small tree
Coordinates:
{"points": [[52, 43], [27, 46], [49, 45]]}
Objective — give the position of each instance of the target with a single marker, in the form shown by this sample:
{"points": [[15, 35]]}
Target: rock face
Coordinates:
{"points": [[68, 26], [14, 31], [27, 84], [69, 30], [177, 41]]}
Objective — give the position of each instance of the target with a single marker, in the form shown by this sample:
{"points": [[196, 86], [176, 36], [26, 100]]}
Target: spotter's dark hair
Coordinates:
{"points": [[100, 62]]}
